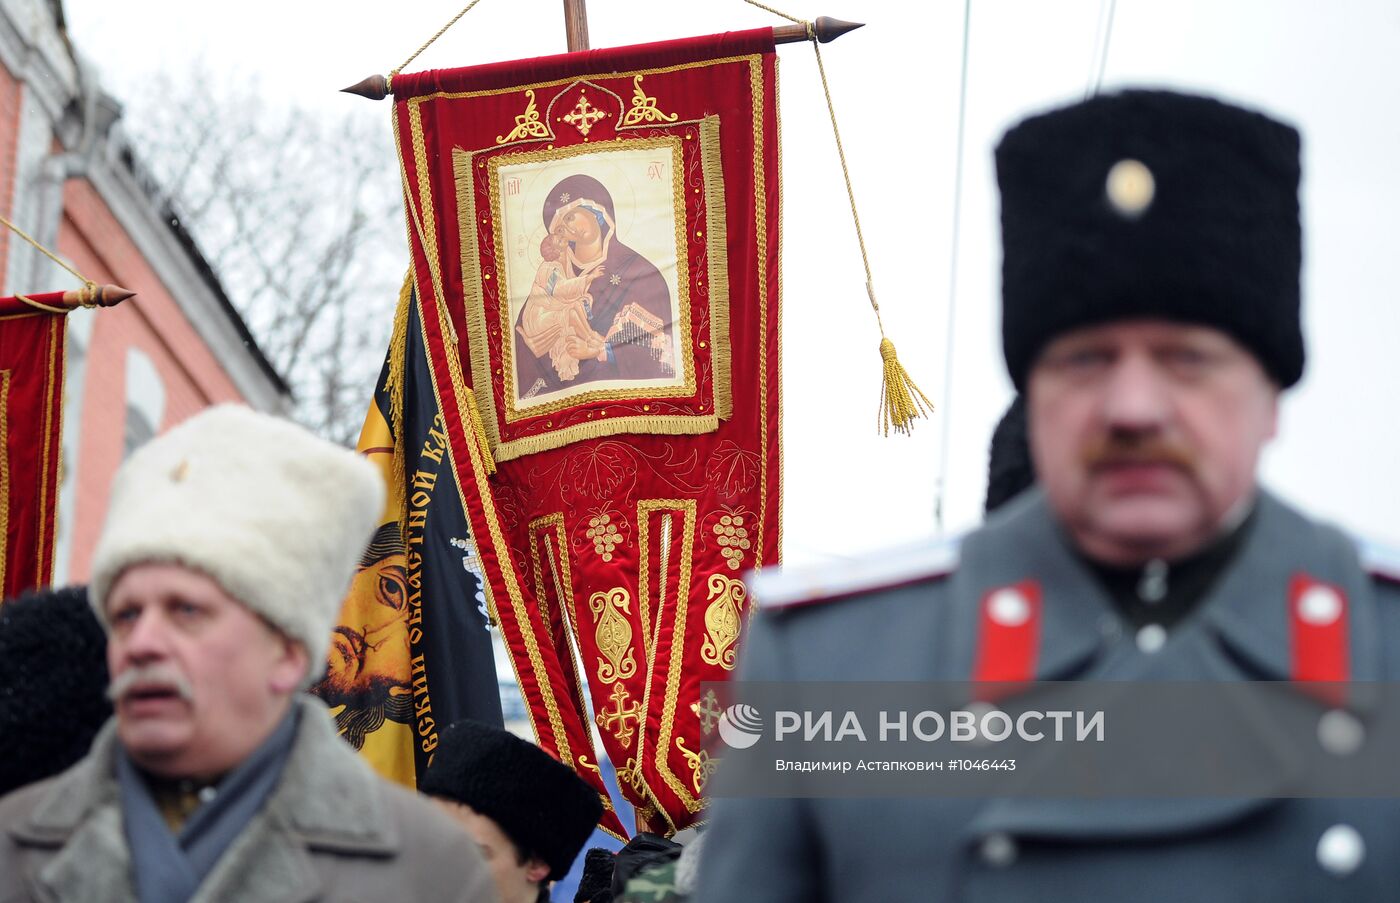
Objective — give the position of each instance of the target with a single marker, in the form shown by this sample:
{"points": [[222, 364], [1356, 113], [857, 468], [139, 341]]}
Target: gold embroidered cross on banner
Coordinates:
{"points": [[708, 711], [585, 116], [619, 715]]}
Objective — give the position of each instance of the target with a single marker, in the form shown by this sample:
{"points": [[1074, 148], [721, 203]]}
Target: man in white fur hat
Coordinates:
{"points": [[228, 545]]}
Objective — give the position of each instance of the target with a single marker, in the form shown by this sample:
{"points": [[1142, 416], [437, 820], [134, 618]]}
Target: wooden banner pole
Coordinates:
{"points": [[576, 24]]}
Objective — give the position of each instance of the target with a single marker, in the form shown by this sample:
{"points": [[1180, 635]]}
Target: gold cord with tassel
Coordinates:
{"points": [[900, 399]]}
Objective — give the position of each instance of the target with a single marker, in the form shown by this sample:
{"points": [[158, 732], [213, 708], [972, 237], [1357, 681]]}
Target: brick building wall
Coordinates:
{"points": [[152, 323], [68, 178]]}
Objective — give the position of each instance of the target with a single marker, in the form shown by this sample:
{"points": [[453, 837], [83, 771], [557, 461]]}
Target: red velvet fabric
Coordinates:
{"points": [[12, 305], [31, 407], [565, 533]]}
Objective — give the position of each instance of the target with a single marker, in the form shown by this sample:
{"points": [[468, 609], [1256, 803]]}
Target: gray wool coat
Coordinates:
{"points": [[909, 626], [331, 831]]}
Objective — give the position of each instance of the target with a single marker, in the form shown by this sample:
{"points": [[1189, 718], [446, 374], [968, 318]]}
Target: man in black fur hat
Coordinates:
{"points": [[1150, 283], [53, 683], [530, 814]]}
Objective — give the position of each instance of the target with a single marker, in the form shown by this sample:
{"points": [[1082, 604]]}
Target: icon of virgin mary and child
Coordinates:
{"points": [[597, 309]]}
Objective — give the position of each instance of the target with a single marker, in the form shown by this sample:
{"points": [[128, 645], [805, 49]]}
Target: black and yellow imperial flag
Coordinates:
{"points": [[412, 650]]}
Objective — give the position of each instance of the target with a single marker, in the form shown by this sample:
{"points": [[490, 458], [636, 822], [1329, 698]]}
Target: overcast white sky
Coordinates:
{"points": [[1333, 69]]}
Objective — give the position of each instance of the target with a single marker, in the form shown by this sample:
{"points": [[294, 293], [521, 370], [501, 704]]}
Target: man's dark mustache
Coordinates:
{"points": [[1117, 449]]}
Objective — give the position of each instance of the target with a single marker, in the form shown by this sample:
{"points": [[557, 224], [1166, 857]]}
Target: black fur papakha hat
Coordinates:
{"points": [[53, 683], [536, 800], [595, 886], [1151, 204]]}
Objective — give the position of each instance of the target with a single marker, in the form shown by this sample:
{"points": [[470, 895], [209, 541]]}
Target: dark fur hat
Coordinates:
{"points": [[535, 799], [1156, 205], [53, 683], [596, 884]]}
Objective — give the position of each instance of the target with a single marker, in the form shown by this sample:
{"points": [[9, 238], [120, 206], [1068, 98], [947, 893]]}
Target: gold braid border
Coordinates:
{"points": [[564, 590], [761, 235], [53, 385], [778, 324], [682, 597], [5, 474]]}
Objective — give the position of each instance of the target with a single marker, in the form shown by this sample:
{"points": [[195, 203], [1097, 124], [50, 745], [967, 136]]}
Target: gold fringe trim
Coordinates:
{"points": [[472, 303], [900, 400], [479, 434], [717, 252], [5, 475], [394, 389], [650, 424]]}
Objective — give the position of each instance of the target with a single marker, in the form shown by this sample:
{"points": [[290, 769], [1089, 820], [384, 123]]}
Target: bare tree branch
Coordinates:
{"points": [[299, 216]]}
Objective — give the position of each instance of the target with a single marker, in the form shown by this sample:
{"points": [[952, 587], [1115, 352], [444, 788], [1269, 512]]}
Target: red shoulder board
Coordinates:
{"points": [[793, 587]]}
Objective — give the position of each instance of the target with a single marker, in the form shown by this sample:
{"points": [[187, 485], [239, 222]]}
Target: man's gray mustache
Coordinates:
{"points": [[144, 675]]}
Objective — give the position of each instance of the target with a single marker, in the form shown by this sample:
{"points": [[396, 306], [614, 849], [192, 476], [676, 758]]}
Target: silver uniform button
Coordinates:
{"points": [[1008, 608], [207, 794], [1340, 850], [1320, 606], [1130, 188], [1340, 732], [1151, 638], [999, 850]]}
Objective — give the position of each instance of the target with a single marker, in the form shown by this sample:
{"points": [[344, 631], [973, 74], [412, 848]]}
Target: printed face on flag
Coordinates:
{"points": [[367, 667]]}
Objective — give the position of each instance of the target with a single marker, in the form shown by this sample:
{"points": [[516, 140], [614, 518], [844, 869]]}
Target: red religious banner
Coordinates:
{"points": [[595, 247], [31, 413]]}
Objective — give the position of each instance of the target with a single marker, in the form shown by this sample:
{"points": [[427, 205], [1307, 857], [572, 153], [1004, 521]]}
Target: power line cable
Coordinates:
{"points": [[953, 279]]}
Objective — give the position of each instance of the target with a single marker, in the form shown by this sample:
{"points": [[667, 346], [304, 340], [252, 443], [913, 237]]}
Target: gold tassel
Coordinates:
{"points": [[900, 400]]}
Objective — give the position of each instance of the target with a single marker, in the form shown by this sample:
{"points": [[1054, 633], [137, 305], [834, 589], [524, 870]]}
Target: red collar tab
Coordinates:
{"points": [[1317, 616], [1008, 635]]}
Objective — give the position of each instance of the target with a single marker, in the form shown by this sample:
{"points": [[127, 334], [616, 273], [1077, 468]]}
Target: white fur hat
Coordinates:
{"points": [[275, 515]]}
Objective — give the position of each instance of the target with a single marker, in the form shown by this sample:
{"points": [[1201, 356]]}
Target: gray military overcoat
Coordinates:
{"points": [[331, 831], [1048, 850]]}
